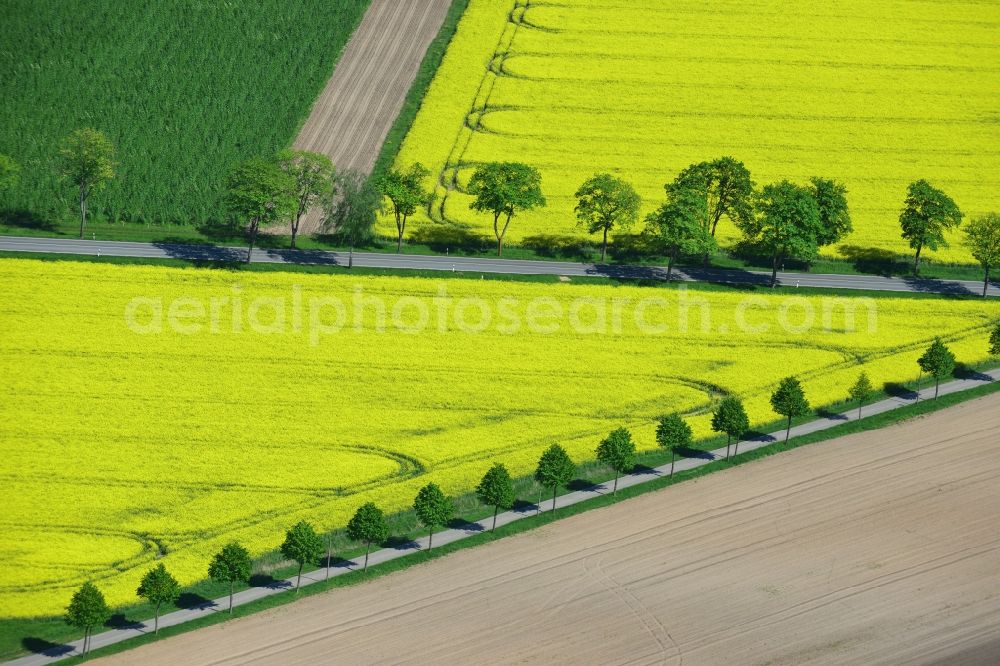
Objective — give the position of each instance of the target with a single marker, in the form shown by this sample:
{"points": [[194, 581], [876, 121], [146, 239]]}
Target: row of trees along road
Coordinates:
{"points": [[303, 545], [781, 220]]}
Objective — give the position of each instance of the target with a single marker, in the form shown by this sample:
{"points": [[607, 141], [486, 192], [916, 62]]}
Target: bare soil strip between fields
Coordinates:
{"points": [[356, 110], [471, 529]]}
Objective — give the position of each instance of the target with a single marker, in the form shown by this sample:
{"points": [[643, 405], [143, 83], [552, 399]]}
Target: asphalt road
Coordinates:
{"points": [[480, 265], [133, 630]]}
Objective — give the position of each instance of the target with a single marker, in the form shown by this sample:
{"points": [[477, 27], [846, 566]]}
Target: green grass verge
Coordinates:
{"points": [[20, 636]]}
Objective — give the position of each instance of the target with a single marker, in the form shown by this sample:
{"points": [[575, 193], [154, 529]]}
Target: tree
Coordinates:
{"points": [[731, 418], [605, 202], [834, 216], [302, 545], [927, 214], [554, 469], [503, 189], [496, 490], [313, 175], [726, 187], [368, 526], [995, 341], [260, 193], [352, 210], [87, 610], [786, 224], [406, 193], [982, 236], [87, 162], [433, 508], [862, 391], [789, 400], [230, 565], [938, 362], [157, 587], [617, 451], [673, 433], [10, 172], [679, 225]]}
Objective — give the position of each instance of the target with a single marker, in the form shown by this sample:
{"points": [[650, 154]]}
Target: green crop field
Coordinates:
{"points": [[184, 88], [875, 94]]}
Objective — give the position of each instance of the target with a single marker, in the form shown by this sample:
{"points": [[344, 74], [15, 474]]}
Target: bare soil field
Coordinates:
{"points": [[355, 111], [880, 547]]}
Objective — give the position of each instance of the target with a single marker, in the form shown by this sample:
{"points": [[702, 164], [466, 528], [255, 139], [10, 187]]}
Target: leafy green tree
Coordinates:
{"points": [[87, 610], [834, 215], [434, 509], [617, 451], [503, 189], [927, 214], [789, 400], [158, 587], [302, 545], [259, 193], [554, 469], [731, 418], [726, 187], [995, 341], [87, 162], [938, 362], [230, 565], [680, 226], [368, 526], [605, 202], [10, 172], [786, 224], [313, 174], [353, 209], [673, 433], [982, 236], [862, 391], [406, 193], [497, 490]]}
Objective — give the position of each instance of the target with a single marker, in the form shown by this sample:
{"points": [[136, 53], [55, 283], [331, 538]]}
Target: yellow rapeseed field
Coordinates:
{"points": [[151, 411], [873, 93]]}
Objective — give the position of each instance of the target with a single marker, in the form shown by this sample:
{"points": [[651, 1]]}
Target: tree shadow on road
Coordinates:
{"points": [[44, 647]]}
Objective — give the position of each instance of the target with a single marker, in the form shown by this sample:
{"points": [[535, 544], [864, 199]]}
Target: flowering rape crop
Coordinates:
{"points": [[875, 94], [157, 412]]}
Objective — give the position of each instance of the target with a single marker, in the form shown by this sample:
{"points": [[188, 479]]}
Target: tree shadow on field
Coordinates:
{"points": [[897, 390], [446, 238], [875, 261], [193, 601], [269, 582], [26, 219], [119, 621], [556, 246]]}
